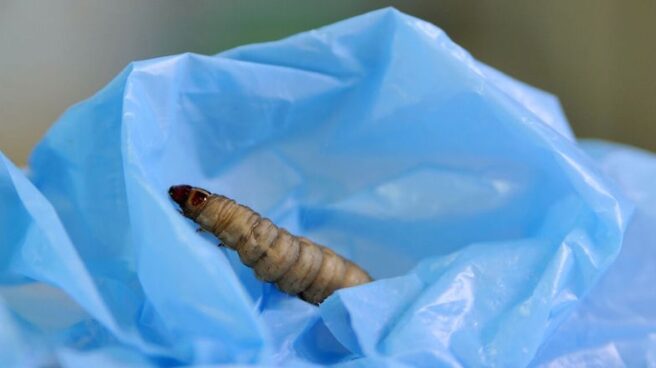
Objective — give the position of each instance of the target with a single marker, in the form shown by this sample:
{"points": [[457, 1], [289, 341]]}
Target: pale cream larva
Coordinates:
{"points": [[297, 265]]}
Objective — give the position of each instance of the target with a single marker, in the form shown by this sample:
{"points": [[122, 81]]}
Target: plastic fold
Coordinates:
{"points": [[461, 190]]}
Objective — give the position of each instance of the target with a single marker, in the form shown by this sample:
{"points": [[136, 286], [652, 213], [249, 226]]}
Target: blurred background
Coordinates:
{"points": [[597, 56]]}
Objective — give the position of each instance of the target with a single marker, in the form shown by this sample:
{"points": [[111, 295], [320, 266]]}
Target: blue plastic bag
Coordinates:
{"points": [[616, 324], [461, 190]]}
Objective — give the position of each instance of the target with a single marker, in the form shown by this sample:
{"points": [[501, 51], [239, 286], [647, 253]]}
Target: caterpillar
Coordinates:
{"points": [[297, 265]]}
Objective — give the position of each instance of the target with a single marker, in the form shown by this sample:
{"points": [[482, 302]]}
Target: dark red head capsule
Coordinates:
{"points": [[180, 193], [198, 197], [187, 197]]}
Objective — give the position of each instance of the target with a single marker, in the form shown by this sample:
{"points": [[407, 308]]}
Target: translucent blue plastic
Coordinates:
{"points": [[462, 191], [616, 324]]}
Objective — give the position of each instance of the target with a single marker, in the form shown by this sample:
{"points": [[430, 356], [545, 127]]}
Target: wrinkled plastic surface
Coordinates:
{"points": [[461, 190], [616, 324]]}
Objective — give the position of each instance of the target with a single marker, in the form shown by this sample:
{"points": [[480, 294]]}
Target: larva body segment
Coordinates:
{"points": [[278, 258], [328, 279], [305, 270], [297, 265]]}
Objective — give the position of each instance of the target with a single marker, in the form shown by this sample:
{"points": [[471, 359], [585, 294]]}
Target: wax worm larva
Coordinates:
{"points": [[297, 265]]}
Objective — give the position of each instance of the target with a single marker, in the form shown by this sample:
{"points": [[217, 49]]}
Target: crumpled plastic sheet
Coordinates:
{"points": [[461, 190], [616, 324]]}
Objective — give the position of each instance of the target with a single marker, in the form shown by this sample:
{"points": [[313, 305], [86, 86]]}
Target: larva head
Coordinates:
{"points": [[190, 199]]}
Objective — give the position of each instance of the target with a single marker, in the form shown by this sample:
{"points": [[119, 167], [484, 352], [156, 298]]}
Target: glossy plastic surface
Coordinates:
{"points": [[462, 191], [615, 326]]}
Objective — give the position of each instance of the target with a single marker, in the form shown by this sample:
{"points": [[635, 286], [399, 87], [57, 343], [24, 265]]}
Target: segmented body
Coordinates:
{"points": [[297, 265]]}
